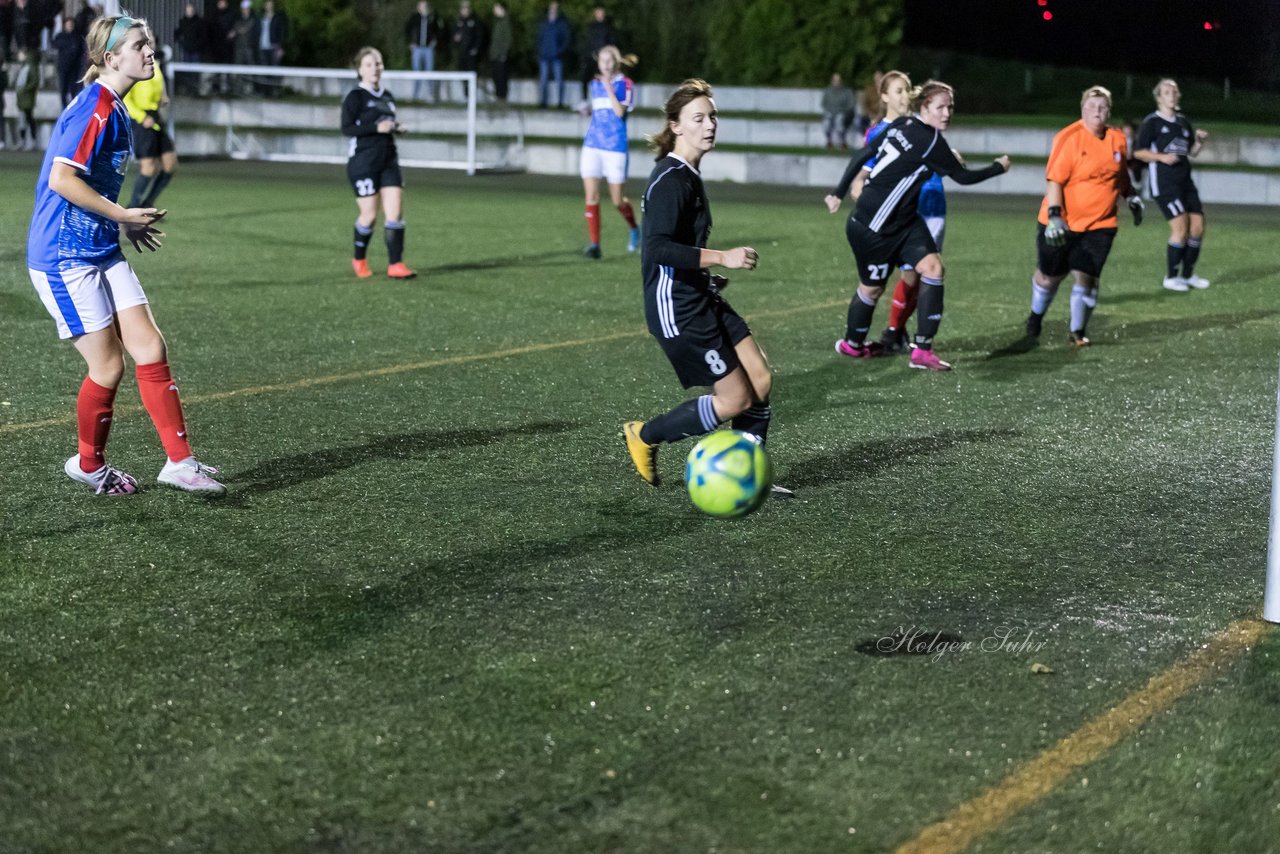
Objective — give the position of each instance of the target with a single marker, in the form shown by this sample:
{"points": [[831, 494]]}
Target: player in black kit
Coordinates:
{"points": [[369, 123], [886, 230], [1166, 141], [707, 342]]}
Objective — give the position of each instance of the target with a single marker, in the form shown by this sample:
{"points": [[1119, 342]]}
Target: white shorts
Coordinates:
{"points": [[86, 299], [609, 165]]}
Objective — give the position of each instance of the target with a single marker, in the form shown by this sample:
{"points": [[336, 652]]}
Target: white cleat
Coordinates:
{"points": [[107, 480], [1176, 283], [190, 475], [1196, 282]]}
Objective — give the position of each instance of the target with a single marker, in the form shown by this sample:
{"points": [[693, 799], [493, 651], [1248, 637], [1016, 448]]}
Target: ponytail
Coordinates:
{"points": [[664, 141]]}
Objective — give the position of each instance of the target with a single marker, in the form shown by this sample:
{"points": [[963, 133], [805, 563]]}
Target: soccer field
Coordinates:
{"points": [[438, 611]]}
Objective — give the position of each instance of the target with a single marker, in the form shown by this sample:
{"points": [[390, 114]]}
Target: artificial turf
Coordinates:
{"points": [[438, 611]]}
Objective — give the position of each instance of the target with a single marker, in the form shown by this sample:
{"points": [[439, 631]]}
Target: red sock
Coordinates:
{"points": [[593, 224], [627, 213], [160, 397], [93, 423], [904, 304]]}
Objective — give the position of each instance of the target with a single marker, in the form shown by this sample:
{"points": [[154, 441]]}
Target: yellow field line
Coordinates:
{"points": [[406, 367], [1030, 783]]}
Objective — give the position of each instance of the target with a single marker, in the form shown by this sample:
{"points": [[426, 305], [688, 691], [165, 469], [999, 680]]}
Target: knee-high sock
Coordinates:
{"points": [[1041, 297], [393, 230], [754, 420], [361, 241], [691, 418], [593, 224], [930, 317], [94, 406], [1083, 301], [903, 305], [1190, 257], [628, 213], [1174, 254], [161, 400], [141, 187], [861, 310], [158, 184]]}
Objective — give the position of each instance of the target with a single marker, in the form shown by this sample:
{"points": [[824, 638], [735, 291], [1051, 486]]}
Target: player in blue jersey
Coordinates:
{"points": [[78, 268], [604, 150]]}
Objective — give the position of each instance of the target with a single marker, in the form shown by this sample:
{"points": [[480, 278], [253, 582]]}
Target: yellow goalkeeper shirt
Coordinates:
{"points": [[145, 96]]}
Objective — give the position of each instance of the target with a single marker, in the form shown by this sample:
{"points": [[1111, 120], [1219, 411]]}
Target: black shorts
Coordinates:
{"points": [[1184, 201], [1085, 251], [702, 351], [149, 143], [878, 255], [370, 173]]}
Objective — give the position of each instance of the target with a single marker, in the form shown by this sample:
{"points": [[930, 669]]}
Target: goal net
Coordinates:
{"points": [[268, 112]]}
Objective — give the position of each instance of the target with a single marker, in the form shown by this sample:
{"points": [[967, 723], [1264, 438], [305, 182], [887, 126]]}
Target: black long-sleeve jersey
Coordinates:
{"points": [[1167, 136], [676, 225], [361, 112], [907, 154]]}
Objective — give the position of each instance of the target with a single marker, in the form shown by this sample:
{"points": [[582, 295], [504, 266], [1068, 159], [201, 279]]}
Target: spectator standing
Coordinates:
{"points": [[6, 29], [25, 86], [191, 35], [423, 33], [468, 39], [244, 39], [4, 123], [274, 29], [500, 41], [221, 41], [71, 59], [597, 34], [88, 13], [554, 38], [838, 107]]}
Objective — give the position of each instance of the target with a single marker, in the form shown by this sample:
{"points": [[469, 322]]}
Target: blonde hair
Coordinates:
{"points": [[361, 54], [927, 91], [1164, 80], [1096, 92], [664, 141], [889, 76], [627, 60], [97, 40]]}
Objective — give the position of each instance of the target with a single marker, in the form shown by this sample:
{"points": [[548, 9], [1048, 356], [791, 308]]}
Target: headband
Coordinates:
{"points": [[122, 25]]}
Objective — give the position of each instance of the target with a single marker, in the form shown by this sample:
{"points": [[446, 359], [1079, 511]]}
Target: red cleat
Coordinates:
{"points": [[361, 266], [399, 271]]}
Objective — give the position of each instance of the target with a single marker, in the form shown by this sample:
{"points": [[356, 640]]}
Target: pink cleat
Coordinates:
{"points": [[927, 360], [845, 347]]}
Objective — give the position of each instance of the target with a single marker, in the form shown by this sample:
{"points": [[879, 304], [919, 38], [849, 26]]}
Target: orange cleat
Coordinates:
{"points": [[399, 271], [361, 266]]}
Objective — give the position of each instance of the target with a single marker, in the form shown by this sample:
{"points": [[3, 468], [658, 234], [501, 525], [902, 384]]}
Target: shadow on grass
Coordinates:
{"points": [[339, 609], [866, 459], [284, 472], [513, 261]]}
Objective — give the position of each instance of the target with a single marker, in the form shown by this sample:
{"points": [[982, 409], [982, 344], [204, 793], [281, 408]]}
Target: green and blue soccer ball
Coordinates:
{"points": [[728, 474]]}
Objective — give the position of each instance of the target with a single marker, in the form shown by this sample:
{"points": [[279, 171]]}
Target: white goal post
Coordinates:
{"points": [[1271, 598], [253, 126]]}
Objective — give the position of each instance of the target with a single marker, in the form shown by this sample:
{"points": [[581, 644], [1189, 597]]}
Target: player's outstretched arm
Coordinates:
{"points": [[738, 258]]}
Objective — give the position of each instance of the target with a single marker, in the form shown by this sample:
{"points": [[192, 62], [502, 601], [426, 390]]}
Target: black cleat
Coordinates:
{"points": [[1033, 324]]}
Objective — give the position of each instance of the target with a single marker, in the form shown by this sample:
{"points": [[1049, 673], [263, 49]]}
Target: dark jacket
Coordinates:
{"points": [[413, 30], [554, 38]]}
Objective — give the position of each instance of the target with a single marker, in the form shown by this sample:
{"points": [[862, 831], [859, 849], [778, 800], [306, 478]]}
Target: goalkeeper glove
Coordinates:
{"points": [[1055, 233], [1136, 207]]}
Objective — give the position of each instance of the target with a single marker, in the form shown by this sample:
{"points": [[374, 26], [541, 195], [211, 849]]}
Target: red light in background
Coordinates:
{"points": [[1042, 2], [1048, 16], [1208, 26]]}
